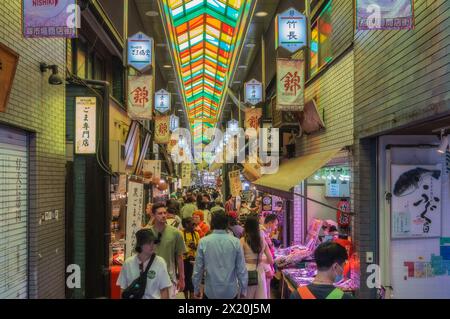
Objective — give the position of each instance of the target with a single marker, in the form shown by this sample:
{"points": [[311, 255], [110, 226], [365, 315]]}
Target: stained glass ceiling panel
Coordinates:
{"points": [[205, 37]]}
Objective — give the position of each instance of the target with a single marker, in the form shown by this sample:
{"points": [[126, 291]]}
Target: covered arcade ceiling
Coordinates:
{"points": [[205, 39]]}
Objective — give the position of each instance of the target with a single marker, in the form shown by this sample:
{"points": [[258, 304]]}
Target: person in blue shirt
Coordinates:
{"points": [[220, 255]]}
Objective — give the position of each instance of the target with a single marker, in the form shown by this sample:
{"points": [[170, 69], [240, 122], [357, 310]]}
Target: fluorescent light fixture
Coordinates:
{"points": [[152, 13], [444, 144], [167, 66], [161, 45], [261, 14], [250, 45], [242, 67]]}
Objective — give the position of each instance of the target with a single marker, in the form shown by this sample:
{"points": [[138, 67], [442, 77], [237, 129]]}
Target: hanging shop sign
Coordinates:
{"points": [[8, 65], [233, 125], [156, 150], [162, 101], [50, 18], [140, 51], [151, 168], [85, 125], [135, 209], [235, 182], [122, 189], [291, 32], [252, 117], [162, 133], [290, 85], [267, 203], [140, 95], [384, 14], [174, 122], [416, 201], [253, 92], [185, 174]]}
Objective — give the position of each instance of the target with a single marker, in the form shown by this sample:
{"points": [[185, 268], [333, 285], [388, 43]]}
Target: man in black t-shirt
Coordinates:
{"points": [[330, 258]]}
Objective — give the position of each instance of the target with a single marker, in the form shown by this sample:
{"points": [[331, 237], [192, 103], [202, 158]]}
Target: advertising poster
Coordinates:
{"points": [[416, 200]]}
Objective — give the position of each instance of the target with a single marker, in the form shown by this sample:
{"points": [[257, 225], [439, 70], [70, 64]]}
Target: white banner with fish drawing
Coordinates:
{"points": [[416, 201]]}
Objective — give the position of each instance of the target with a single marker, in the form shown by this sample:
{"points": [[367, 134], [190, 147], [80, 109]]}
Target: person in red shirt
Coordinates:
{"points": [[198, 220]]}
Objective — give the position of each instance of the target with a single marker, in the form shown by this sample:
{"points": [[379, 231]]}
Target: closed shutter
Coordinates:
{"points": [[13, 213]]}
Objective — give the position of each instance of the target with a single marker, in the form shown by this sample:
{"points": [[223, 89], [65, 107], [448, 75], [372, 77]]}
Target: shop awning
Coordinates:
{"points": [[292, 172]]}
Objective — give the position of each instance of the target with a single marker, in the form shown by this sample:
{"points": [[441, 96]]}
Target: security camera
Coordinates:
{"points": [[55, 78]]}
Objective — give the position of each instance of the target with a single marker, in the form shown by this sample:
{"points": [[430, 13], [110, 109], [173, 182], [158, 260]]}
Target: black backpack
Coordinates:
{"points": [[136, 289]]}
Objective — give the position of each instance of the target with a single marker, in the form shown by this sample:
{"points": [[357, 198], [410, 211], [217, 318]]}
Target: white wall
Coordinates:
{"points": [[394, 252]]}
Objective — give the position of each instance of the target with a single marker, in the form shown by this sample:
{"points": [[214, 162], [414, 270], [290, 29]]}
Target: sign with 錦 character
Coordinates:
{"points": [[162, 101], [162, 132], [135, 210], [140, 51], [290, 85], [291, 30], [384, 14], [85, 125], [252, 117], [50, 18], [140, 97], [253, 92], [235, 182], [8, 65]]}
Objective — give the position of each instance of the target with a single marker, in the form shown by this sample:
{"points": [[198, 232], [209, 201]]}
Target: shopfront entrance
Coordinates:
{"points": [[414, 213], [14, 208]]}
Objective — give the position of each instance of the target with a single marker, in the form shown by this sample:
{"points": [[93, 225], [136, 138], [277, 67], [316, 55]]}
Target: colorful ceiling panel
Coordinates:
{"points": [[205, 38]]}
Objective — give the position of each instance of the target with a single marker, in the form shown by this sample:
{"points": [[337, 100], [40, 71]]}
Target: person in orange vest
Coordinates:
{"points": [[330, 259]]}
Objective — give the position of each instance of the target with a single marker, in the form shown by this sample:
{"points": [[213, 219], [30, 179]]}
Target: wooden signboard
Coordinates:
{"points": [[8, 64]]}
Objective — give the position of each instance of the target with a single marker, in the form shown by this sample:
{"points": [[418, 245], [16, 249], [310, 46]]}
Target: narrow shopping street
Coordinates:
{"points": [[224, 149]]}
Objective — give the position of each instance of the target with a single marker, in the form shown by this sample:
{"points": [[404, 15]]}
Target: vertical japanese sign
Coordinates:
{"points": [[290, 85], [291, 30], [50, 18], [140, 51], [384, 14], [416, 200], [135, 209], [174, 122], [152, 168], [253, 92], [85, 125], [162, 133], [185, 174], [235, 182], [162, 101], [252, 117], [140, 96]]}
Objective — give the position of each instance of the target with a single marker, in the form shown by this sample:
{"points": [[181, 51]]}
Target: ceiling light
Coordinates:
{"points": [[167, 66], [152, 13], [444, 144], [236, 82], [242, 67], [250, 45], [161, 45], [261, 14]]}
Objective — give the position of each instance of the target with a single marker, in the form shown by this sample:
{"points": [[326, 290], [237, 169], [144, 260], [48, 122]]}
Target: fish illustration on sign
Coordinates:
{"points": [[409, 181]]}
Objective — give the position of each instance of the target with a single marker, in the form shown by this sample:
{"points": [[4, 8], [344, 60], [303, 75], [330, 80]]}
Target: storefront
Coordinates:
{"points": [[316, 190], [414, 208], [14, 172]]}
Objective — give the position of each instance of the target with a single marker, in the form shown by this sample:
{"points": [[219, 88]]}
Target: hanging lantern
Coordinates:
{"points": [[162, 186], [156, 180]]}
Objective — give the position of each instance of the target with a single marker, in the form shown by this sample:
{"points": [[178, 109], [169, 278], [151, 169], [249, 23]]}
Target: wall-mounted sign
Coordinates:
{"points": [[140, 97], [8, 65], [135, 210], [235, 182], [290, 85], [253, 92], [186, 174], [174, 122], [162, 101], [50, 18], [384, 14], [140, 50], [291, 30], [162, 133], [85, 125]]}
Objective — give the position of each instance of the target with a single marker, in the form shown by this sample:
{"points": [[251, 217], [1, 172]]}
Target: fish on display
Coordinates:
{"points": [[409, 181]]}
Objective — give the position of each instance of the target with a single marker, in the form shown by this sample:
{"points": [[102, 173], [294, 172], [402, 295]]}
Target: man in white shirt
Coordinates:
{"points": [[158, 280]]}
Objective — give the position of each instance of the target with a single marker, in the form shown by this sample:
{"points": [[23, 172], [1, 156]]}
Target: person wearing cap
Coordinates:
{"points": [[201, 226], [233, 225], [158, 280]]}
